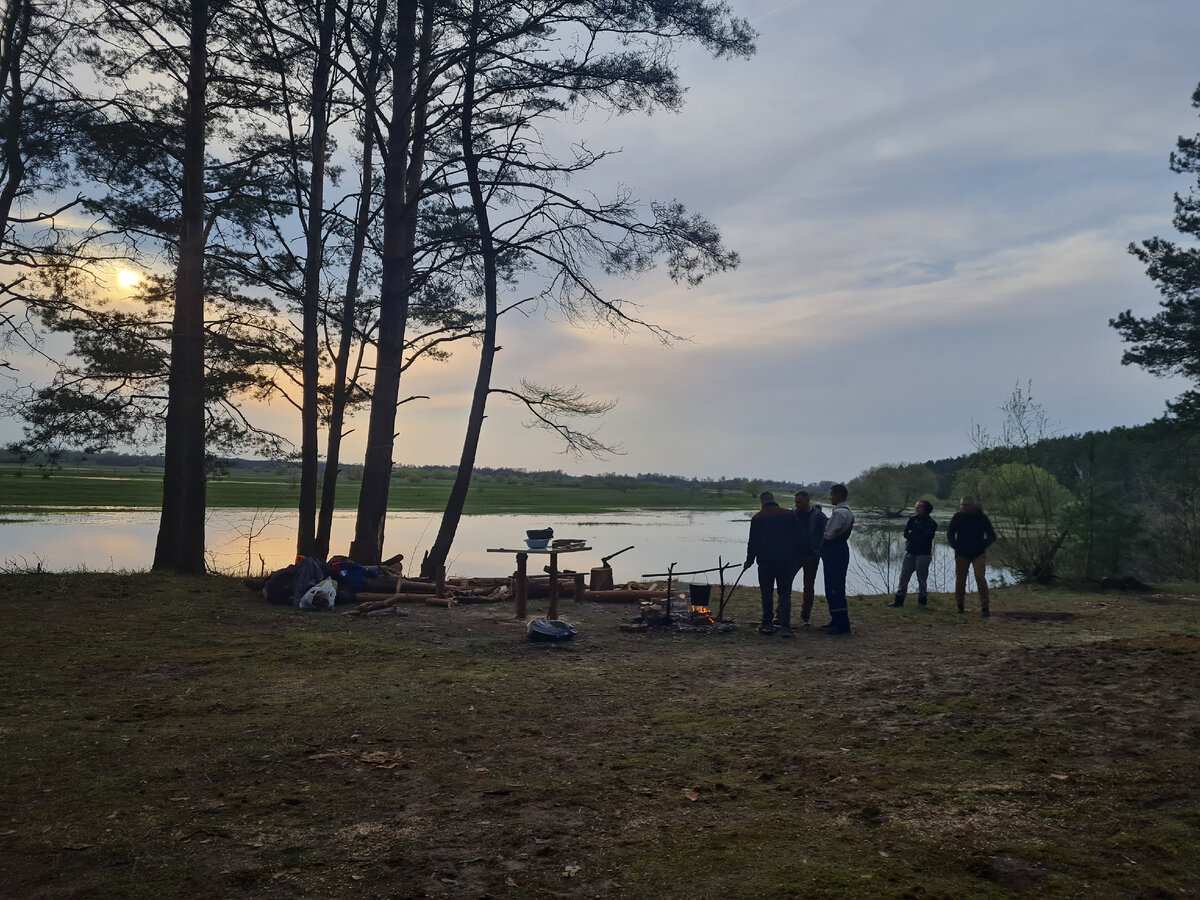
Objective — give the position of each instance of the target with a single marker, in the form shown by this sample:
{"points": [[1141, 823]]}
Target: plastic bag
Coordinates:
{"points": [[550, 630], [320, 596]]}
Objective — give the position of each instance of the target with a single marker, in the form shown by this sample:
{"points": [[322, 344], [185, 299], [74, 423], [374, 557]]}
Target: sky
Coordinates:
{"points": [[932, 202]]}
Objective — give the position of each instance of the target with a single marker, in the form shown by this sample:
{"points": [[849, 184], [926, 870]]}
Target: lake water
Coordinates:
{"points": [[247, 540]]}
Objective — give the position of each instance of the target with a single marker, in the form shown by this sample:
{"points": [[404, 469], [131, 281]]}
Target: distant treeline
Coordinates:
{"points": [[431, 473], [1089, 506]]}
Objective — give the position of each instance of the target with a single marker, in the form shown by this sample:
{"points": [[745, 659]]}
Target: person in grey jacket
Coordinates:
{"points": [[808, 550], [918, 553]]}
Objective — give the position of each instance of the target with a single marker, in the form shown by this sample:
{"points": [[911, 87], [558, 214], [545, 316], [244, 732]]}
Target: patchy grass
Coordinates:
{"points": [[169, 737]]}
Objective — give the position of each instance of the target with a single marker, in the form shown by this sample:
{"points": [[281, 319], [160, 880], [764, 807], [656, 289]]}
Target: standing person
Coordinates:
{"points": [[808, 549], [835, 557], [970, 534], [918, 552], [773, 538]]}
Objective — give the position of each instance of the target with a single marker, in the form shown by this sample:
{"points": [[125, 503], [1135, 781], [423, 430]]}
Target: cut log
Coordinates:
{"points": [[602, 579], [416, 587], [539, 588]]}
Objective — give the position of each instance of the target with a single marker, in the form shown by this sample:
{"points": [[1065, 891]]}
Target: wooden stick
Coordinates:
{"points": [[553, 571], [521, 586], [697, 572], [624, 595]]}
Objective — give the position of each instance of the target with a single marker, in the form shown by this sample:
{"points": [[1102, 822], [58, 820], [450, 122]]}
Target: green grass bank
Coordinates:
{"points": [[97, 487]]}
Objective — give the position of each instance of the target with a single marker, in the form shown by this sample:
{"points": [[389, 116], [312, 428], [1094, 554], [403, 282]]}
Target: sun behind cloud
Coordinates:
{"points": [[127, 278]]}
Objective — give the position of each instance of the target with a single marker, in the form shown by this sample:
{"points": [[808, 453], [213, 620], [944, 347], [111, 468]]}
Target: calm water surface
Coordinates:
{"points": [[249, 540]]}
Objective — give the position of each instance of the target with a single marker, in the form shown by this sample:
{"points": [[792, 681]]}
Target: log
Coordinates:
{"points": [[368, 596], [416, 587], [622, 596], [392, 599], [539, 588], [474, 582], [602, 579]]}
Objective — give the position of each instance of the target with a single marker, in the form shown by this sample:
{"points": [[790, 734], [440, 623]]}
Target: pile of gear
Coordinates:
{"points": [[311, 583]]}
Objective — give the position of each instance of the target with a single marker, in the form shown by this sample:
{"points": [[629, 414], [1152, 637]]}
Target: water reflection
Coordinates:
{"points": [[254, 541]]}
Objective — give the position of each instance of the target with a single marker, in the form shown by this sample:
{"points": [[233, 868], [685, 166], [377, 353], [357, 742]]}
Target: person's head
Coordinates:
{"points": [[924, 507], [838, 494], [969, 505], [766, 497], [803, 501]]}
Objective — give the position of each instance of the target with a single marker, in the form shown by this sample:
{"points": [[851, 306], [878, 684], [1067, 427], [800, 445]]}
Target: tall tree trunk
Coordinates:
{"points": [[14, 34], [440, 551], [341, 362], [403, 164], [180, 543], [313, 261]]}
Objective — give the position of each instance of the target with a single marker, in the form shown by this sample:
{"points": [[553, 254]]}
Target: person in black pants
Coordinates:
{"points": [[812, 523], [918, 552], [835, 559], [774, 535]]}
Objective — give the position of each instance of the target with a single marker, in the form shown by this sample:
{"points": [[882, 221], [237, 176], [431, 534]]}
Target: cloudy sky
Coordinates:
{"points": [[932, 201]]}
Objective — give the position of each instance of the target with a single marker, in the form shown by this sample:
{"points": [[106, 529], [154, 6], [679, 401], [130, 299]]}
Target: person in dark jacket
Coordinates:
{"points": [[918, 552], [970, 534], [774, 534], [812, 523]]}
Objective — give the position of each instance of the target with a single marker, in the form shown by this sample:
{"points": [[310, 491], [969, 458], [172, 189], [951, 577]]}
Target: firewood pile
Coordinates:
{"points": [[457, 590]]}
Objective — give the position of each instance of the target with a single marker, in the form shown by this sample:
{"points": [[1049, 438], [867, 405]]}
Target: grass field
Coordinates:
{"points": [[96, 487], [165, 737]]}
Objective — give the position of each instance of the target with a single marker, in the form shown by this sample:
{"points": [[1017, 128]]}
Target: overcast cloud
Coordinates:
{"points": [[932, 201]]}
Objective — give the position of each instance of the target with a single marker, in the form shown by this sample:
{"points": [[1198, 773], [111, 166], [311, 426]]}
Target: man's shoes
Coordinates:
{"points": [[922, 601], [804, 623], [899, 601], [785, 631], [985, 613], [837, 629], [764, 628]]}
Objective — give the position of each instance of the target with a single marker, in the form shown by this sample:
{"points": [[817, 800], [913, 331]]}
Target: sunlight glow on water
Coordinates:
{"points": [[242, 541]]}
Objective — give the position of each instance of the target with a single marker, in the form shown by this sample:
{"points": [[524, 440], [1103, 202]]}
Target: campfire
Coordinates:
{"points": [[687, 616], [684, 619]]}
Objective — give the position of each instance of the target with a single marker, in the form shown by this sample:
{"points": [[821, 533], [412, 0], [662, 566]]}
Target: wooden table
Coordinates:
{"points": [[521, 579]]}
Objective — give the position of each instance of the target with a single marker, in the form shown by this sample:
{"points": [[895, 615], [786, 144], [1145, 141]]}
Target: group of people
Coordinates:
{"points": [[786, 542]]}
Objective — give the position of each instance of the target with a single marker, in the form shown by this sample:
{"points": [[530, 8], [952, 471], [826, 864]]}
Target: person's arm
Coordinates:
{"points": [[952, 532], [837, 524], [750, 544], [989, 534]]}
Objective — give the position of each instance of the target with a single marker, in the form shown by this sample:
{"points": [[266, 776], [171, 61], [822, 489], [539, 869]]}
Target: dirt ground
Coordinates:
{"points": [[174, 737]]}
